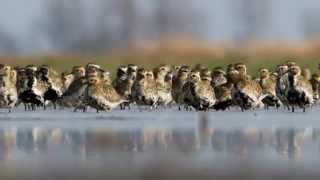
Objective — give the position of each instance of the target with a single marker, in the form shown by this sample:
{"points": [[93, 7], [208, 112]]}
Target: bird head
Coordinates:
{"points": [[241, 68], [184, 72], [149, 75], [78, 71], [195, 76], [233, 76], [132, 71], [295, 70], [291, 63], [122, 72], [93, 79], [206, 75], [161, 71], [264, 73], [282, 69]]}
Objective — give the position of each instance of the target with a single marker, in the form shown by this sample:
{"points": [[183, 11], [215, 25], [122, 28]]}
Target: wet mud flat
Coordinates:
{"points": [[162, 144]]}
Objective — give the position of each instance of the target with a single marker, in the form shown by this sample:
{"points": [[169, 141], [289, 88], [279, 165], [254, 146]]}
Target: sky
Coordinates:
{"points": [[19, 18]]}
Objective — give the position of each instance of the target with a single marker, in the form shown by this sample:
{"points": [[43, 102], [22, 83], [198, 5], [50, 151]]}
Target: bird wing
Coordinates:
{"points": [[40, 88], [204, 91], [110, 93], [305, 86], [75, 87], [250, 88]]}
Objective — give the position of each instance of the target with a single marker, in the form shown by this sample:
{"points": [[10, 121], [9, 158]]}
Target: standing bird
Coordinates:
{"points": [[315, 82], [73, 96], [32, 90], [100, 95], [178, 82], [120, 81], [66, 79], [299, 91], [176, 69], [106, 77], [268, 86], [246, 93], [222, 88], [21, 84], [163, 78], [144, 91], [123, 82], [54, 83], [198, 93], [282, 83], [8, 90], [242, 69], [218, 76], [131, 76]]}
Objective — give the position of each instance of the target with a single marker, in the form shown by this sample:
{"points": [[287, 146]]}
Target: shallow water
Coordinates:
{"points": [[163, 144]]}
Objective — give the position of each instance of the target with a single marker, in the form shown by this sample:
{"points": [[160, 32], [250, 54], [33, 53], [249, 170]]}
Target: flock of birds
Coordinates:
{"points": [[187, 87]]}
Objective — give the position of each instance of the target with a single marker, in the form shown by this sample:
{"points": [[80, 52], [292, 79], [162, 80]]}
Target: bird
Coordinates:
{"points": [[123, 82], [163, 79], [73, 96], [144, 91], [176, 69], [242, 69], [32, 89], [299, 90], [315, 83], [246, 93], [198, 93], [268, 86], [222, 88], [35, 93], [54, 83], [21, 84], [218, 76], [120, 83], [67, 79], [106, 77], [101, 96], [8, 90], [194, 87], [178, 82], [132, 70], [131, 76], [282, 83], [120, 79], [223, 97]]}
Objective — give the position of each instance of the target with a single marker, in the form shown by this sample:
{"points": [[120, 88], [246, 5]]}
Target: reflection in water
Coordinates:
{"points": [[243, 142]]}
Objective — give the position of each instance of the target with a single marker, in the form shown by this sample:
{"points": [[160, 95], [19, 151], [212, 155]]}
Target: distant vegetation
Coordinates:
{"points": [[254, 54]]}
